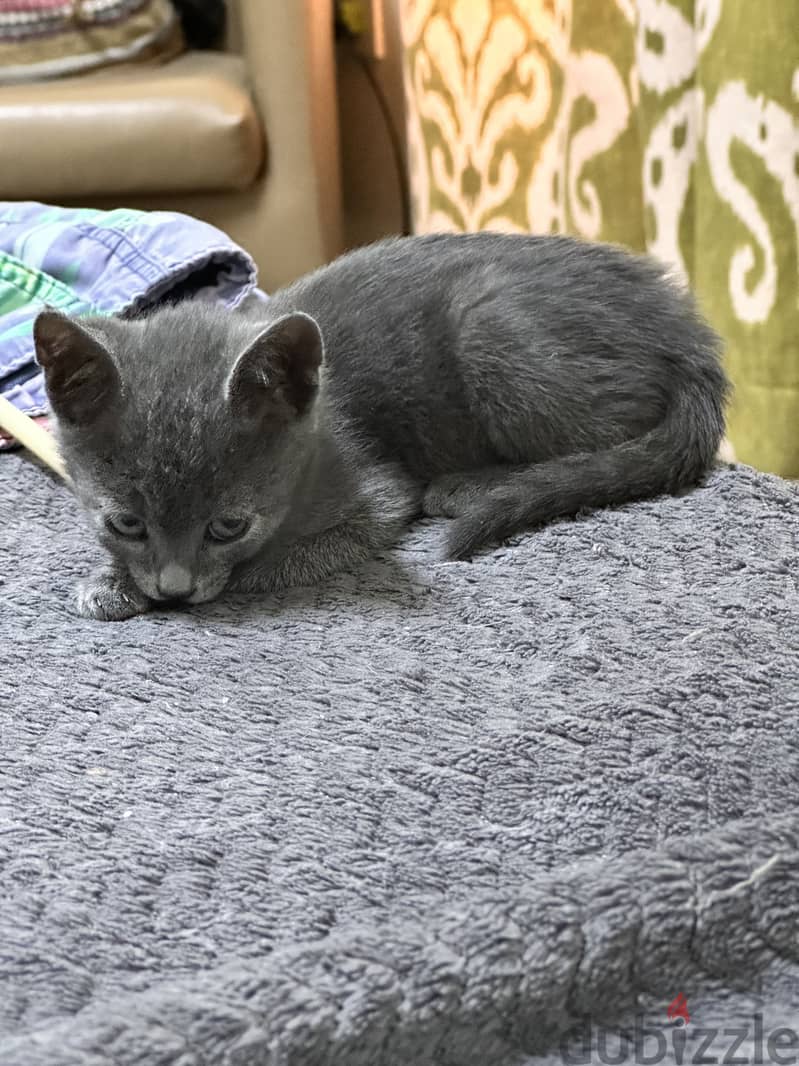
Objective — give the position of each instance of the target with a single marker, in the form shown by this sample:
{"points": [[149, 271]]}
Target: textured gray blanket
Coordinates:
{"points": [[473, 814]]}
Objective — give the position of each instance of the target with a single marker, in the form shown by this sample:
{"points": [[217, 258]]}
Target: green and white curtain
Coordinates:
{"points": [[665, 125]]}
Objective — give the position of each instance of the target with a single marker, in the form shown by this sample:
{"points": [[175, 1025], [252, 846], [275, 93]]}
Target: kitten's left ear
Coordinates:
{"points": [[80, 376], [279, 373]]}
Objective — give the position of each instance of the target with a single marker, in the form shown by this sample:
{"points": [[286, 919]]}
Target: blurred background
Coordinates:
{"points": [[305, 127]]}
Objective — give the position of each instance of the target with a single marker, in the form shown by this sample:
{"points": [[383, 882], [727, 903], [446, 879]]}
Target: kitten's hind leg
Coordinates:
{"points": [[110, 595], [453, 495]]}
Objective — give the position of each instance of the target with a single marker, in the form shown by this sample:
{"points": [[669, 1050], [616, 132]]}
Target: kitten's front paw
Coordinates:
{"points": [[111, 597]]}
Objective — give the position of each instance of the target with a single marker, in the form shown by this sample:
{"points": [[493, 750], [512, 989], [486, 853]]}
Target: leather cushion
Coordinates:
{"points": [[186, 126]]}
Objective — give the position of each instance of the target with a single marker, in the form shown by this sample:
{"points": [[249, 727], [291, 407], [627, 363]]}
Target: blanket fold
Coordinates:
{"points": [[472, 982]]}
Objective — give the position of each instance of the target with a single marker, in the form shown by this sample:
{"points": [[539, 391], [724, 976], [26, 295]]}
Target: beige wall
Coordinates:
{"points": [[372, 204]]}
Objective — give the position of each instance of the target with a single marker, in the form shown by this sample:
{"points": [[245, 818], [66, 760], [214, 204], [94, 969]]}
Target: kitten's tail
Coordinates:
{"points": [[675, 455]]}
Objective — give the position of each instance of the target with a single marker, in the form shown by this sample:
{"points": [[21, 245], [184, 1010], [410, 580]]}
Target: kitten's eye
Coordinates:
{"points": [[127, 525], [224, 529]]}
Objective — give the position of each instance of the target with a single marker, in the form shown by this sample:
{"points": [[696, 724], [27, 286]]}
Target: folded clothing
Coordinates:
{"points": [[84, 261]]}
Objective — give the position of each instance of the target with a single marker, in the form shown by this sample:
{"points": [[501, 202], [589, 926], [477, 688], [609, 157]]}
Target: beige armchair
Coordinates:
{"points": [[246, 139]]}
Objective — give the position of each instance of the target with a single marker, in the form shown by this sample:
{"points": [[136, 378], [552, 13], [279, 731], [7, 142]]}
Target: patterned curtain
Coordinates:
{"points": [[666, 125]]}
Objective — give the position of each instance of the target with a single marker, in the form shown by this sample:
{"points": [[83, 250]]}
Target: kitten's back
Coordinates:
{"points": [[448, 347]]}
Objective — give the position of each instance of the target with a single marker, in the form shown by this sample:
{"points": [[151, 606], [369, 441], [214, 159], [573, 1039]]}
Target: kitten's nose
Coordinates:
{"points": [[175, 582]]}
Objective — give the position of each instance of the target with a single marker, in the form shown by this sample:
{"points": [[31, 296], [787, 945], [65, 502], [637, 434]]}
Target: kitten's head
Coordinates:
{"points": [[186, 434]]}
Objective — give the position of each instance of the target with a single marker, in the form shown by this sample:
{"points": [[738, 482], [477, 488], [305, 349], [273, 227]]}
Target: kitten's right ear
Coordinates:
{"points": [[81, 378]]}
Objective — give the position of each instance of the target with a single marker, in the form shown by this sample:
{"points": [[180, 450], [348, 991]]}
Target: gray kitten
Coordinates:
{"points": [[501, 381]]}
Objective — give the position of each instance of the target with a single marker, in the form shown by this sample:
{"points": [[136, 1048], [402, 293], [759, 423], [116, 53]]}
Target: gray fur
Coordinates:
{"points": [[500, 381]]}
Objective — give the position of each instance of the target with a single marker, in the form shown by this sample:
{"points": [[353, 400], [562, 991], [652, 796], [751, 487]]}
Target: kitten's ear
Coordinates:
{"points": [[278, 374], [80, 376]]}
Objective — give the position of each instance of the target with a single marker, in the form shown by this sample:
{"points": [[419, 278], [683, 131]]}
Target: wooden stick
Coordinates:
{"points": [[33, 437]]}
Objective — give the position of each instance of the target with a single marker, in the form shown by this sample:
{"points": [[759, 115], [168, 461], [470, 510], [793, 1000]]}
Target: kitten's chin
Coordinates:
{"points": [[206, 595]]}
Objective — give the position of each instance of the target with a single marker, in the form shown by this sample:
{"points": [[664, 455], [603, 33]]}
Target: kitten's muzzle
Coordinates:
{"points": [[175, 583]]}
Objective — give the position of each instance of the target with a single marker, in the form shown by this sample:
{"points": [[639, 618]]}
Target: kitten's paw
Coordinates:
{"points": [[467, 536], [448, 496], [111, 597]]}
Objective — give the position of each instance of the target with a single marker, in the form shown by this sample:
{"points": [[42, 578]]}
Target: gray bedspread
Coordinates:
{"points": [[476, 814]]}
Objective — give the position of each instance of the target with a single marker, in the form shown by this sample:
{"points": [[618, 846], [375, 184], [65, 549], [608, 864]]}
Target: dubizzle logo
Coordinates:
{"points": [[648, 1044], [678, 1008]]}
